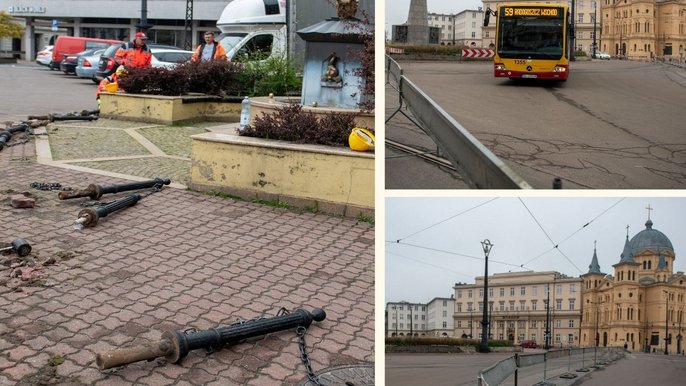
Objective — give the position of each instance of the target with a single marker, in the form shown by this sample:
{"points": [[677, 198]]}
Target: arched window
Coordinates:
{"points": [[649, 264]]}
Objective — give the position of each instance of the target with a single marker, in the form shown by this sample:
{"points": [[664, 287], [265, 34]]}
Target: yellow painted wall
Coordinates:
{"points": [[336, 180]]}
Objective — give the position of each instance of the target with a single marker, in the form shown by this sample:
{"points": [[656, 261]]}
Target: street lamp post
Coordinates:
{"points": [[595, 16], [486, 245], [411, 321], [573, 40], [547, 322], [666, 321]]}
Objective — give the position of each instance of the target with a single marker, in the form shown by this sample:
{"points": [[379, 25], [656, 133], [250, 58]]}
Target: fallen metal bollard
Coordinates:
{"points": [[96, 191], [175, 345], [67, 117], [20, 246], [89, 217], [6, 134]]}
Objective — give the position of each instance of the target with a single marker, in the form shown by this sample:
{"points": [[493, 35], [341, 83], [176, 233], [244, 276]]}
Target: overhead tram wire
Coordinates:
{"points": [[447, 219], [456, 254], [578, 230], [429, 264], [556, 246]]}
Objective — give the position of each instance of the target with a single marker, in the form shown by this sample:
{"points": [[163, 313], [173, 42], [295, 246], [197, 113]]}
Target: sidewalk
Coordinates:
{"points": [[175, 260]]}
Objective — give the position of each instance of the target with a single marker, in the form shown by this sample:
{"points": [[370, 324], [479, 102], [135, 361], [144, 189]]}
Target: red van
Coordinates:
{"points": [[66, 45]]}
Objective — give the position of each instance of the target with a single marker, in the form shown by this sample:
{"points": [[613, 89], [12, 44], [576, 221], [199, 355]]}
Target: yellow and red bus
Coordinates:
{"points": [[531, 40]]}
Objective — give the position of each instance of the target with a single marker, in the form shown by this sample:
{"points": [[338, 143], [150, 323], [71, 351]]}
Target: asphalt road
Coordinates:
{"points": [[613, 124], [32, 89]]}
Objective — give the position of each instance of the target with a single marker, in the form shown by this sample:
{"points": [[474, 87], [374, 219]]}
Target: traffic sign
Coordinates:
{"points": [[477, 53], [55, 25]]}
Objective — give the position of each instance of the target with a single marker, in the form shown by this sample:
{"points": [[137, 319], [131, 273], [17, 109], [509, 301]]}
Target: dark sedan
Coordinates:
{"points": [[69, 63]]}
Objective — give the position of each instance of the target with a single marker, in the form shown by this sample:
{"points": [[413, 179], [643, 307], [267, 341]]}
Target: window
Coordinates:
{"points": [[557, 338], [469, 294], [424, 316], [402, 326], [502, 292], [416, 316], [558, 304], [522, 306], [572, 288], [559, 289], [512, 306], [459, 324], [445, 314], [481, 306], [401, 308], [502, 306], [481, 293], [522, 291], [511, 291], [445, 303], [570, 338], [459, 307], [534, 324], [401, 316], [545, 304], [445, 324], [533, 336], [534, 291], [581, 17], [571, 323], [469, 306], [571, 304], [459, 294], [521, 337], [490, 292], [533, 305], [558, 323], [258, 47]]}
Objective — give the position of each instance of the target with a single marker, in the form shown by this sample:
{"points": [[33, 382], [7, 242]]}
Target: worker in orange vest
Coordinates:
{"points": [[114, 78], [134, 53], [209, 50]]}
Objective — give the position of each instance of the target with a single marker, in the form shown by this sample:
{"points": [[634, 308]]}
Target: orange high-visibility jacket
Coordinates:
{"points": [[217, 54], [131, 56]]}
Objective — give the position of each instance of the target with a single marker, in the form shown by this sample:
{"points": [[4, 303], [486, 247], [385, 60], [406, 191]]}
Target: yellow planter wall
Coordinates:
{"points": [[167, 109], [335, 180]]}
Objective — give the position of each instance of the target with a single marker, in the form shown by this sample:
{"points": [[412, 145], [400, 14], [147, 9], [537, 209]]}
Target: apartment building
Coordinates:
{"points": [[439, 316], [518, 307], [461, 29], [406, 319]]}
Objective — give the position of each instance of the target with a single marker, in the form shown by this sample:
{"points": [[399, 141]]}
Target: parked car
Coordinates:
{"points": [[106, 64], [168, 58], [69, 63], [65, 45], [602, 55], [88, 65], [44, 56], [528, 344]]}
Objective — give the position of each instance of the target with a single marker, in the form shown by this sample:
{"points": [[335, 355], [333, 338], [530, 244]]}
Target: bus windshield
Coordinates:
{"points": [[531, 38]]}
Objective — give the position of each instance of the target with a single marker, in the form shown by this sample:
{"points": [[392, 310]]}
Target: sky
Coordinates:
{"points": [[396, 10], [433, 243]]}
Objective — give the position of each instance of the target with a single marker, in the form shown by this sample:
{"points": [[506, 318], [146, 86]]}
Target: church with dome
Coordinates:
{"points": [[641, 304]]}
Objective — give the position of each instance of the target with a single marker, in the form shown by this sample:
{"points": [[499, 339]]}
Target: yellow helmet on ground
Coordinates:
{"points": [[120, 70], [361, 139]]}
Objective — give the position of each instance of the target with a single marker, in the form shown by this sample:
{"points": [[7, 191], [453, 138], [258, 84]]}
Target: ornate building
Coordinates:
{"points": [[644, 29], [518, 307], [642, 303]]}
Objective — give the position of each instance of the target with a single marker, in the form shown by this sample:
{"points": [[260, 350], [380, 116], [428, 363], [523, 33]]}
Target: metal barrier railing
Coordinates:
{"points": [[478, 166], [555, 363]]}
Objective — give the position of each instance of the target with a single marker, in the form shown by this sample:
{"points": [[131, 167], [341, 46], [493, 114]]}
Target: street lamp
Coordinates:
{"points": [[666, 320], [486, 245], [595, 16]]}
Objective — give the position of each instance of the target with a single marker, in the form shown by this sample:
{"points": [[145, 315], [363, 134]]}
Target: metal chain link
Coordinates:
{"points": [[302, 331], [49, 186]]}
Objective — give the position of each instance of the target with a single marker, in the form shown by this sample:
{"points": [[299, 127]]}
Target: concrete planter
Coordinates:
{"points": [[328, 179], [169, 109], [268, 105]]}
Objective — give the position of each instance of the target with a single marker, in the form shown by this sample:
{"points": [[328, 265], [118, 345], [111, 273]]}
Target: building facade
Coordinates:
{"points": [[462, 29], [518, 308], [406, 319], [46, 19], [439, 316], [644, 29], [642, 304], [635, 29]]}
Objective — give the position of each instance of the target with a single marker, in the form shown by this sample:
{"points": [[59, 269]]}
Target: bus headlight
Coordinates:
{"points": [[559, 69], [500, 67]]}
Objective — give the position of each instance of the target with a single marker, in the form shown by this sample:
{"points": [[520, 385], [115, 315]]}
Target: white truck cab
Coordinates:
{"points": [[253, 29]]}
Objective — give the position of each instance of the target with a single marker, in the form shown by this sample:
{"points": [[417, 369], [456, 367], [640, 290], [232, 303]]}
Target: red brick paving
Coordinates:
{"points": [[178, 259]]}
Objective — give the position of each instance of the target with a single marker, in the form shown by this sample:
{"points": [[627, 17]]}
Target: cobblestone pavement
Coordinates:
{"points": [[177, 259]]}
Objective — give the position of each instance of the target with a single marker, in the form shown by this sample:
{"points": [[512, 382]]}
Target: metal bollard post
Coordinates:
{"points": [[545, 365], [96, 191], [89, 217], [569, 363], [516, 373], [175, 345]]}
